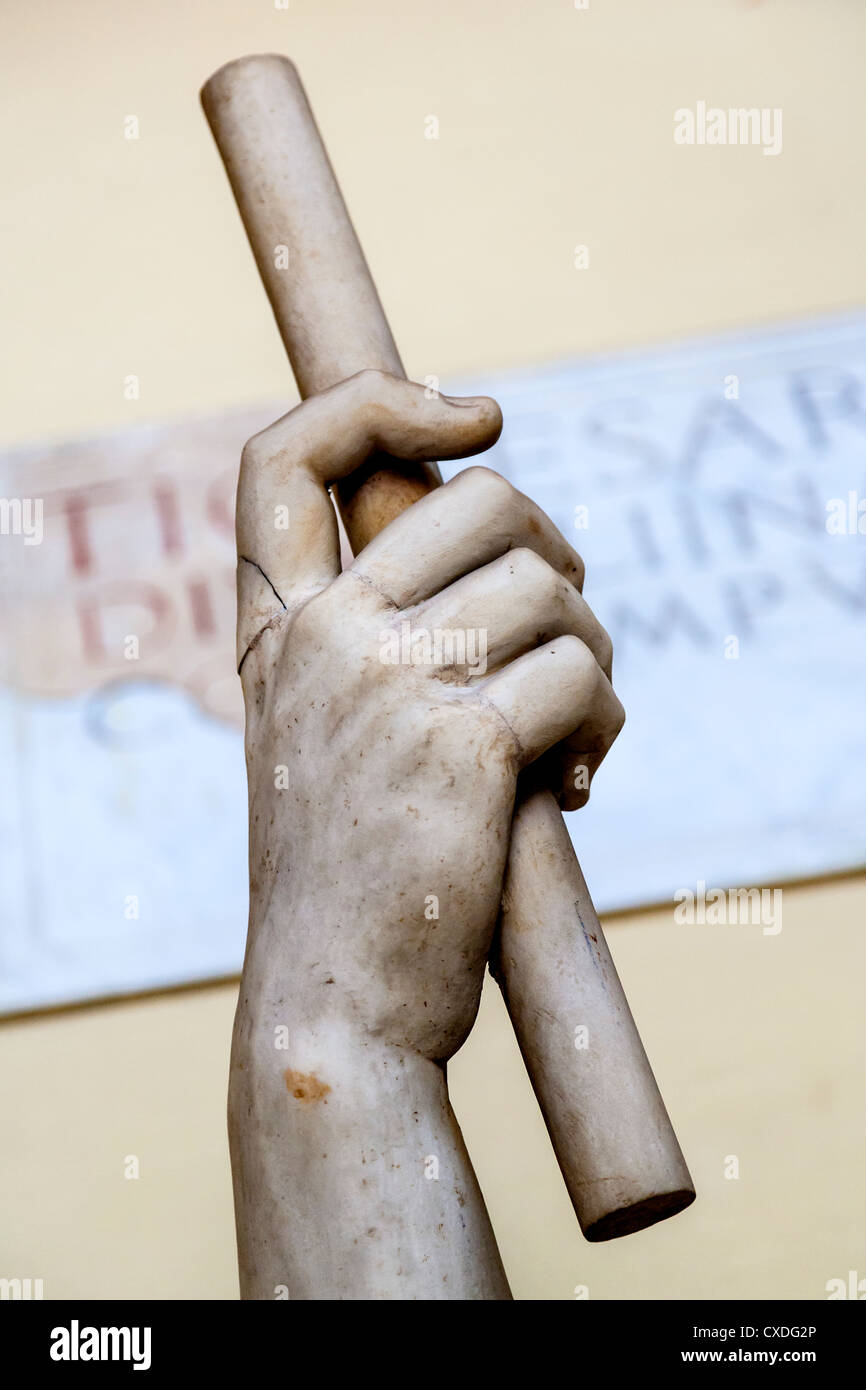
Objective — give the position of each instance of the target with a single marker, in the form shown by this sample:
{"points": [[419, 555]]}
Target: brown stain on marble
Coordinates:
{"points": [[305, 1087]]}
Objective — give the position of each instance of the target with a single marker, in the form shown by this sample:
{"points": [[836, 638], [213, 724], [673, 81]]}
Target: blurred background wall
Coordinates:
{"points": [[127, 256]]}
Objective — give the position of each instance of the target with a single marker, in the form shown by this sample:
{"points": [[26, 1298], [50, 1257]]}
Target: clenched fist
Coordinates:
{"points": [[390, 708]]}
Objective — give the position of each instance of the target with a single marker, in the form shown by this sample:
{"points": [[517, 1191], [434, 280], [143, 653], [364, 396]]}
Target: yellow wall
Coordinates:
{"points": [[128, 257]]}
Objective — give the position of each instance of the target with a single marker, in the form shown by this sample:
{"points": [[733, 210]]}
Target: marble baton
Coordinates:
{"points": [[614, 1142]]}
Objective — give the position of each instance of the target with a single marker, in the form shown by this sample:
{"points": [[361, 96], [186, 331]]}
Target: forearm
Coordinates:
{"points": [[350, 1173]]}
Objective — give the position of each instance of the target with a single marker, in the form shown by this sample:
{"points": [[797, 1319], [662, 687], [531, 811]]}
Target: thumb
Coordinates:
{"points": [[288, 544]]}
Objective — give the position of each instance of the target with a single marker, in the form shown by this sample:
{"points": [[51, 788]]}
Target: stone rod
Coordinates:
{"points": [[611, 1133]]}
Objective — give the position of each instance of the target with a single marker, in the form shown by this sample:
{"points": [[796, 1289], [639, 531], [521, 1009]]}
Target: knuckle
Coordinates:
{"points": [[617, 719], [605, 649], [373, 399], [577, 571], [495, 494], [262, 448], [579, 657], [251, 452], [369, 379], [371, 385], [534, 572]]}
